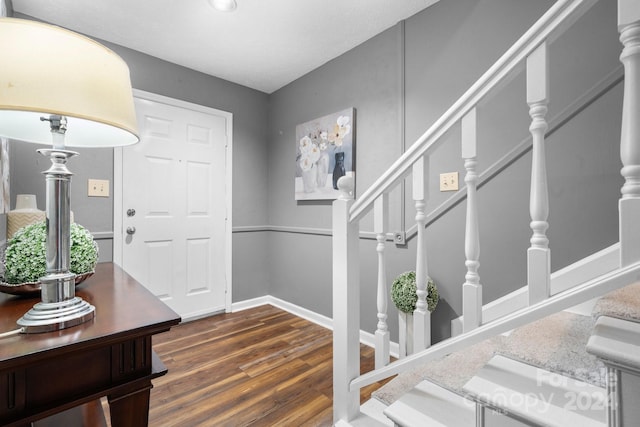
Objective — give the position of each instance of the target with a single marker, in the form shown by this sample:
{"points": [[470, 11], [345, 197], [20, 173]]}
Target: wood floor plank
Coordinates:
{"points": [[273, 360], [246, 333], [259, 367], [243, 398], [236, 350], [320, 354]]}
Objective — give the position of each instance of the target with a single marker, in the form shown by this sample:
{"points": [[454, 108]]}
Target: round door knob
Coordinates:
{"points": [[131, 230]]}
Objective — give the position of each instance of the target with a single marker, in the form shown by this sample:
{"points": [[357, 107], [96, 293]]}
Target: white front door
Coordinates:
{"points": [[173, 225]]}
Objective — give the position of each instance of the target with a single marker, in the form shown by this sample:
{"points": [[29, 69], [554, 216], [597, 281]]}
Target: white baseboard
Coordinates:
{"points": [[249, 303], [366, 338]]}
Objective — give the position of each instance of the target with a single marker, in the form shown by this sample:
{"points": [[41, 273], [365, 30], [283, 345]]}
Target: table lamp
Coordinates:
{"points": [[60, 88]]}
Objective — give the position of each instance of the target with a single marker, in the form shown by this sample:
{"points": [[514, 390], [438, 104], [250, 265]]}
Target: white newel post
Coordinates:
{"points": [[346, 305], [380, 226], [421, 315], [538, 255], [471, 289], [629, 205]]}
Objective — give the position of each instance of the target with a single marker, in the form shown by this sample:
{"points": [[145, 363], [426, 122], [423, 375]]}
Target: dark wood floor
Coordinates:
{"points": [[258, 367]]}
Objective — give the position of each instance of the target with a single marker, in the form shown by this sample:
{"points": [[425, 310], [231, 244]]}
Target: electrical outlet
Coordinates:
{"points": [[449, 181], [98, 188]]}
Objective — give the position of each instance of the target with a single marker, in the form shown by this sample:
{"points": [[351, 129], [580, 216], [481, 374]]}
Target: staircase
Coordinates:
{"points": [[534, 363], [552, 372]]}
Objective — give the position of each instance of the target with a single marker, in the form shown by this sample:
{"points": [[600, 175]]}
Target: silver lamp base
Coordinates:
{"points": [[53, 316], [59, 307]]}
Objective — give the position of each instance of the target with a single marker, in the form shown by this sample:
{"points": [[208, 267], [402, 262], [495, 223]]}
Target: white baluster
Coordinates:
{"points": [[538, 255], [380, 226], [614, 395], [471, 289], [629, 205], [421, 315], [346, 305]]}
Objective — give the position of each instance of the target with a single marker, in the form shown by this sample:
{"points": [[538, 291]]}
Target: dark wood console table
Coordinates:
{"points": [[51, 373]]}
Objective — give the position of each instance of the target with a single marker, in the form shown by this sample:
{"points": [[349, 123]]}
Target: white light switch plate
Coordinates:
{"points": [[449, 181], [98, 188]]}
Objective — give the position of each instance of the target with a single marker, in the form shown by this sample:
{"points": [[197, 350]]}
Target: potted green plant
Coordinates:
{"points": [[405, 296], [25, 258]]}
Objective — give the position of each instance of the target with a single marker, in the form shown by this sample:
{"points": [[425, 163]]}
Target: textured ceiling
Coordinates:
{"points": [[264, 44]]}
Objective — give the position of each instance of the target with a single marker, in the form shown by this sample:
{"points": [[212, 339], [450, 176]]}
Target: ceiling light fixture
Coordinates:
{"points": [[224, 5]]}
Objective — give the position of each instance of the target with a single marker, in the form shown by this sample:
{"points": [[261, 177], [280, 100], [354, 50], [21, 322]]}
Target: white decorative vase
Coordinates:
{"points": [[310, 179], [323, 169], [25, 213]]}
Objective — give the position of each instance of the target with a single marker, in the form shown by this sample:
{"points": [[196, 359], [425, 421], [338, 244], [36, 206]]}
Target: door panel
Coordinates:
{"points": [[174, 179]]}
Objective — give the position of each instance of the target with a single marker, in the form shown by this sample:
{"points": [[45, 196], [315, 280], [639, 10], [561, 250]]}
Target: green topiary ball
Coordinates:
{"points": [[404, 293], [25, 258]]}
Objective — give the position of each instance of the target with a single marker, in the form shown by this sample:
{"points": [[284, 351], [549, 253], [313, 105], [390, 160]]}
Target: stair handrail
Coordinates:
{"points": [[550, 26]]}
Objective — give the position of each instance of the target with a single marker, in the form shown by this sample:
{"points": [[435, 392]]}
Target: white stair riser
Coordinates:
{"points": [[538, 396], [430, 405]]}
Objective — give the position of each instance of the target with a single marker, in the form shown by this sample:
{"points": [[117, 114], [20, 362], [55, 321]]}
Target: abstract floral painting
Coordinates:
{"points": [[325, 149]]}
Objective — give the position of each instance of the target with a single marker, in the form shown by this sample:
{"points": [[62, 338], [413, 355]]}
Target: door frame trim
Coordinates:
{"points": [[118, 209]]}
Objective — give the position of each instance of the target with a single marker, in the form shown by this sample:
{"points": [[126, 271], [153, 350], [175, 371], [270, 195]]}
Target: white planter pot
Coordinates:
{"points": [[405, 341]]}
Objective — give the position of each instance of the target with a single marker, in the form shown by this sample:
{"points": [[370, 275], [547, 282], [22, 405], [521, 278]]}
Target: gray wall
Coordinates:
{"points": [[447, 47], [583, 161]]}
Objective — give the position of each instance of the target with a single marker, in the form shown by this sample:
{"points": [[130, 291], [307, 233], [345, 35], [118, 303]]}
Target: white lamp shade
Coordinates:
{"points": [[47, 70]]}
